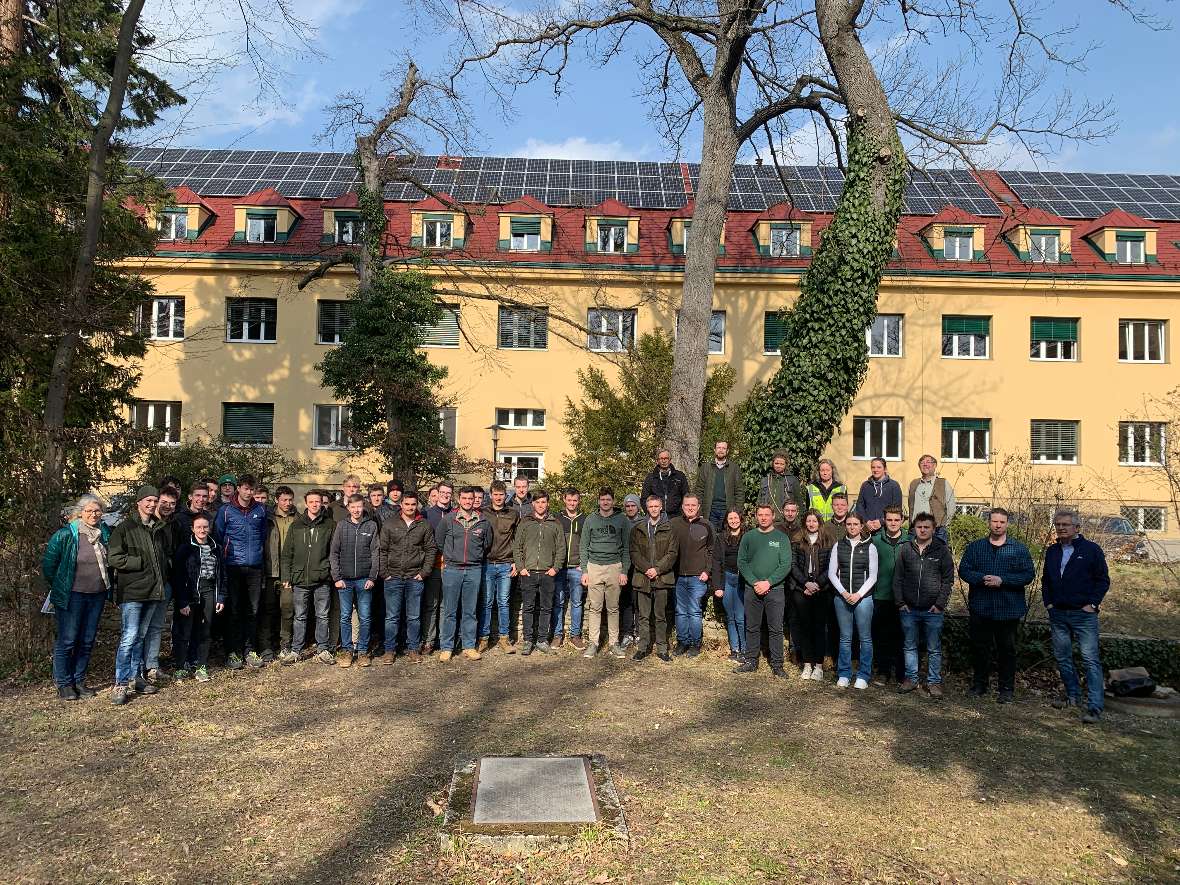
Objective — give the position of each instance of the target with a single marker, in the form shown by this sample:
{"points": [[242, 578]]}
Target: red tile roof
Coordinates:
{"points": [[1033, 217], [439, 203], [268, 196], [611, 207], [349, 200], [526, 204], [954, 215], [1116, 218], [186, 196], [781, 212]]}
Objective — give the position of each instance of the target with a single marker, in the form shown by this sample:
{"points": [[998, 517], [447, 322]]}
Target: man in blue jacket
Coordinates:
{"points": [[1073, 583], [241, 529]]}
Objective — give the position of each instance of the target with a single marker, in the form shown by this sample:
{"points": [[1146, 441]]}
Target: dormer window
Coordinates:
{"points": [[958, 245], [1129, 249], [612, 236], [784, 242], [1044, 247], [349, 230], [436, 234], [526, 235], [173, 225], [261, 229]]}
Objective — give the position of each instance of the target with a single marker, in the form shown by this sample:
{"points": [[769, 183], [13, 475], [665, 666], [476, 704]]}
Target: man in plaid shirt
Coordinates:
{"points": [[997, 569]]}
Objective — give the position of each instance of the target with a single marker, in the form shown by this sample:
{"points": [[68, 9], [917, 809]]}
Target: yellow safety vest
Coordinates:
{"points": [[817, 501]]}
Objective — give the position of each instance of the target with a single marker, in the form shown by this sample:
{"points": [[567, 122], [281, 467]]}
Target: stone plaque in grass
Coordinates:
{"points": [[537, 790]]}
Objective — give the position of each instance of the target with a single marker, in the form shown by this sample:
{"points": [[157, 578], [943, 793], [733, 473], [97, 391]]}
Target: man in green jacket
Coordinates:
{"points": [[764, 560], [305, 570], [283, 614], [139, 555], [606, 559], [886, 619], [719, 481], [538, 553]]}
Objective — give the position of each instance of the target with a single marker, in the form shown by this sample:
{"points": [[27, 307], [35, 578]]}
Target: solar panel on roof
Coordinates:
{"points": [[559, 167]]}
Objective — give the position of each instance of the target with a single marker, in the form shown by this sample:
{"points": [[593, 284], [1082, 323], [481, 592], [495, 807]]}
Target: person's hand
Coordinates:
{"points": [[935, 610], [512, 572], [286, 585], [719, 593], [524, 572], [186, 611], [652, 573], [552, 573], [810, 587], [762, 587], [622, 580], [339, 585], [585, 580], [905, 608], [704, 576], [1089, 608], [369, 585], [991, 581], [219, 608], [417, 577], [873, 524]]}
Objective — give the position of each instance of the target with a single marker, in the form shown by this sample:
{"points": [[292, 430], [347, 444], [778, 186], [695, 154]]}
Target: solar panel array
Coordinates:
{"points": [[1091, 194], [314, 175]]}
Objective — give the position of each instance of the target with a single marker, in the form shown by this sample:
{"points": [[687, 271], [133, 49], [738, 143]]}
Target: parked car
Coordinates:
{"points": [[117, 508], [1118, 539]]}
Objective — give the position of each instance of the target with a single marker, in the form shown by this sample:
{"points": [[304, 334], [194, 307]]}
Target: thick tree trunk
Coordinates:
{"points": [[76, 309], [690, 354]]}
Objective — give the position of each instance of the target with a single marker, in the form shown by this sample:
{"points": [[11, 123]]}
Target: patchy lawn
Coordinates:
{"points": [[314, 774]]}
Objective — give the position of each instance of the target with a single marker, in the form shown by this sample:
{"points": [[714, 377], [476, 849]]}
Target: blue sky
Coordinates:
{"points": [[599, 116]]}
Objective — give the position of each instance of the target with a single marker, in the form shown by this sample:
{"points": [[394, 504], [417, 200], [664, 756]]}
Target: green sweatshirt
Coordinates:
{"points": [[606, 540], [886, 559], [764, 556]]}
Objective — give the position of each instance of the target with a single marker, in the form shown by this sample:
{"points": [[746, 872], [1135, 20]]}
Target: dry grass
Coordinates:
{"points": [[313, 774]]}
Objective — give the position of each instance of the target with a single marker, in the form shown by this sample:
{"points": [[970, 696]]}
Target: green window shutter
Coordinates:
{"points": [[961, 325], [772, 333], [966, 423], [1046, 329], [612, 222], [444, 333], [524, 226], [958, 232], [1130, 236], [248, 423]]}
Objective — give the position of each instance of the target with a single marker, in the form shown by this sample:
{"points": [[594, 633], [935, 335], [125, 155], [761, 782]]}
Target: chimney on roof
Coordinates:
{"points": [[445, 162], [757, 161]]}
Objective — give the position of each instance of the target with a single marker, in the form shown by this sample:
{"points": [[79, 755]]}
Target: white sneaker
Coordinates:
{"points": [[842, 682], [817, 673], [806, 674], [861, 684]]}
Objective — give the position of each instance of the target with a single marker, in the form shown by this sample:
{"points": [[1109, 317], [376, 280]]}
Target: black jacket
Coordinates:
{"points": [[671, 488], [186, 571], [354, 552], [407, 551], [660, 553], [809, 562], [923, 579]]}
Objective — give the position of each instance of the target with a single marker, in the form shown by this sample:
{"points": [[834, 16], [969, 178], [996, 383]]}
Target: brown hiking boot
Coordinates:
{"points": [[445, 656], [935, 690], [472, 654], [413, 657], [558, 640], [578, 642], [906, 687], [505, 646], [481, 646], [364, 661], [427, 649], [389, 657], [343, 659]]}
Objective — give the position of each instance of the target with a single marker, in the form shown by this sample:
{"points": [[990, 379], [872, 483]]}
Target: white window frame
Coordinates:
{"points": [[614, 247], [959, 240], [169, 225], [1156, 441], [512, 459], [533, 419], [435, 240], [319, 308], [957, 433], [866, 436], [336, 423], [610, 340], [1077, 442], [442, 423], [1136, 513], [958, 338], [258, 304], [354, 228], [173, 416], [1156, 329], [256, 229], [900, 319], [1129, 251], [524, 242], [169, 305], [1044, 248], [785, 242], [1044, 352], [717, 318]]}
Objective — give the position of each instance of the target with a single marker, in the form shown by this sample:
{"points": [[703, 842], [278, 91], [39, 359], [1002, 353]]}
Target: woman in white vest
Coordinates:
{"points": [[852, 571]]}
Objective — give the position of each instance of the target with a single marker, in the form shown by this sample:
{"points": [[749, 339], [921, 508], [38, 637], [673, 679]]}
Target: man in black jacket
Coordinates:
{"points": [[666, 483], [408, 551], [355, 559], [923, 576]]}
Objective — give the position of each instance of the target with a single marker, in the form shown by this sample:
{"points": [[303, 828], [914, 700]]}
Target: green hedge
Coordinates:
{"points": [[1161, 657]]}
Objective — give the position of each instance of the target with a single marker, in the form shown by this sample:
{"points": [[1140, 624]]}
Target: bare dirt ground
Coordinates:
{"points": [[315, 774]]}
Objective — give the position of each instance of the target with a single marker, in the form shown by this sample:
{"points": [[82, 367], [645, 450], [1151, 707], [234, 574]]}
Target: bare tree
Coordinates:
{"points": [[737, 67]]}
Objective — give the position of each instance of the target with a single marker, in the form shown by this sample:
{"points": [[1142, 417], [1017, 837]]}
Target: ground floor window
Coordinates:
{"points": [[530, 464], [1146, 519]]}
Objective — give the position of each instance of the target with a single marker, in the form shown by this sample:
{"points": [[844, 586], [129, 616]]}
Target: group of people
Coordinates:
{"points": [[369, 577]]}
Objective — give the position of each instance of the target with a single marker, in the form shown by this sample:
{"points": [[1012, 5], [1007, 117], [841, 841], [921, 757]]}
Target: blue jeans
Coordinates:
{"points": [[137, 618], [354, 593], [1066, 625], [860, 616], [460, 596], [403, 595], [497, 586], [690, 593], [76, 628], [151, 642], [911, 622], [568, 588], [734, 601]]}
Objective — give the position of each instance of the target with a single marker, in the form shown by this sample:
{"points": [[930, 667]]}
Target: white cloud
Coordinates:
{"points": [[579, 148]]}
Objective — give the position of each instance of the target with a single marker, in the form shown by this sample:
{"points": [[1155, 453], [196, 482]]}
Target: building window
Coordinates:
{"points": [[349, 230], [444, 333], [1142, 443], [333, 426], [612, 236], [1128, 249], [530, 464], [958, 245], [966, 439], [1054, 339], [966, 337], [251, 319], [162, 319], [717, 332], [784, 242], [448, 420], [1054, 442], [611, 331], [173, 225], [524, 328], [1141, 341], [261, 229], [248, 424], [333, 320], [1044, 248], [1145, 519], [526, 235], [525, 419], [436, 234], [884, 335], [876, 438], [158, 417], [772, 332]]}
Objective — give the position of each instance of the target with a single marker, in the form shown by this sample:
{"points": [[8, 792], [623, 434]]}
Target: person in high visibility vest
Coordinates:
{"points": [[820, 490]]}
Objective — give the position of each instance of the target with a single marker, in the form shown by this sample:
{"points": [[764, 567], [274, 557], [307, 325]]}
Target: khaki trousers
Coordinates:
{"points": [[603, 590]]}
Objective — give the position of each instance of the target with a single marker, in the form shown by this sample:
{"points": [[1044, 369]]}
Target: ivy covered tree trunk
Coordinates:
{"points": [[824, 356]]}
